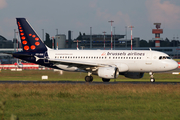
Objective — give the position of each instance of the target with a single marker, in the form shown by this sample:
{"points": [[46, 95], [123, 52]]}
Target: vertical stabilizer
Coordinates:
{"points": [[30, 41]]}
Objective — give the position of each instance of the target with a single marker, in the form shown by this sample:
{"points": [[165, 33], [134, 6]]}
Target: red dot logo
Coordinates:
{"points": [[33, 47], [30, 34], [37, 43], [24, 42], [33, 36], [36, 38], [21, 30], [26, 47], [22, 34], [23, 38]]}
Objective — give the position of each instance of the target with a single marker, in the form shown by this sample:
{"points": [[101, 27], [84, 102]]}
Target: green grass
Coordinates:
{"points": [[91, 102]]}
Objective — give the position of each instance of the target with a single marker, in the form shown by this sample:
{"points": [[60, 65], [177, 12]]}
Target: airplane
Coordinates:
{"points": [[107, 64]]}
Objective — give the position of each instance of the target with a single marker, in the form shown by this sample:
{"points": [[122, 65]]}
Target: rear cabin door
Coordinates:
{"points": [[46, 58]]}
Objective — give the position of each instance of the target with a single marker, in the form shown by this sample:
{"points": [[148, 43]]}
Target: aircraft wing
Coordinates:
{"points": [[78, 64]]}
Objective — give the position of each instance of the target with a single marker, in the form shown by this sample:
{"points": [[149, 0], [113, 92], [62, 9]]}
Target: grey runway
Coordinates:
{"points": [[82, 82]]}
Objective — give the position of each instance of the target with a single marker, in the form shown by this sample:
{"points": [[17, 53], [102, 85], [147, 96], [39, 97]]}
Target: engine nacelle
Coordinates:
{"points": [[108, 72], [134, 75]]}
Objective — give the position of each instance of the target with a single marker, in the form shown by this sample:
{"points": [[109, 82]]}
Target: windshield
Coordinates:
{"points": [[164, 57]]}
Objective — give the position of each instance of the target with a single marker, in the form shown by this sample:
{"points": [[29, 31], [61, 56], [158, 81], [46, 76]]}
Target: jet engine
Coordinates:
{"points": [[133, 75], [108, 72]]}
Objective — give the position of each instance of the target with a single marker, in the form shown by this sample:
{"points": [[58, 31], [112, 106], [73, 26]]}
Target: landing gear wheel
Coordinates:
{"points": [[88, 78], [152, 77], [105, 80], [152, 80]]}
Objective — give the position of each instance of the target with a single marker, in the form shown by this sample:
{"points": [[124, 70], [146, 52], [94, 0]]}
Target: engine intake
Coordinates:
{"points": [[108, 72]]}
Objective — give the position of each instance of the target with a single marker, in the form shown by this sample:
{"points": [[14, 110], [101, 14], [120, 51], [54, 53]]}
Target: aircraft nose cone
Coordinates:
{"points": [[174, 65]]}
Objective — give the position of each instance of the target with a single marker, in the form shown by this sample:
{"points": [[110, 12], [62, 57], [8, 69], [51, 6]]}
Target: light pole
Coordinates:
{"points": [[114, 38], [111, 32], [126, 36], [17, 41], [56, 31], [90, 37], [131, 34], [104, 39], [43, 35]]}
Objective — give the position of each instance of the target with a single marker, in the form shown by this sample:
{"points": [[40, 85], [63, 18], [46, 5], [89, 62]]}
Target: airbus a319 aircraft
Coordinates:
{"points": [[107, 64]]}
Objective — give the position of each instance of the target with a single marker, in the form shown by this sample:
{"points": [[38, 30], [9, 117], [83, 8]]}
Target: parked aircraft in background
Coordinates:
{"points": [[107, 64]]}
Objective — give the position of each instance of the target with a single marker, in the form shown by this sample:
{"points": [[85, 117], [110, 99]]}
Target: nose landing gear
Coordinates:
{"points": [[152, 80]]}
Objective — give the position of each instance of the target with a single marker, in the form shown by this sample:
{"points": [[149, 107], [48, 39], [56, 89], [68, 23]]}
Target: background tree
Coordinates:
{"points": [[144, 43]]}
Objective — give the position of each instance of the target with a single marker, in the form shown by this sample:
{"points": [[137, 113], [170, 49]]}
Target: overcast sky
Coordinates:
{"points": [[80, 15]]}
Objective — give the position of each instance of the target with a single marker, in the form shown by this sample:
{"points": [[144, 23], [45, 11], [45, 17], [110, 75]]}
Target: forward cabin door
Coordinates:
{"points": [[148, 62]]}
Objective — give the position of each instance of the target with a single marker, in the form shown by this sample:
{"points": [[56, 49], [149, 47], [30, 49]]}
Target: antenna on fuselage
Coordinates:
{"points": [[150, 49]]}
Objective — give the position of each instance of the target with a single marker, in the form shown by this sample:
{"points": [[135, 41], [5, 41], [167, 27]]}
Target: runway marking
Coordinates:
{"points": [[175, 73]]}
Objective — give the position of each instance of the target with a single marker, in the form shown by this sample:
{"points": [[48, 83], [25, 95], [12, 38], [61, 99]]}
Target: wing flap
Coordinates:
{"points": [[73, 63]]}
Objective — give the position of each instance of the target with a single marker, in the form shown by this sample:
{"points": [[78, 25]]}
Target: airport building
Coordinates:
{"points": [[98, 41]]}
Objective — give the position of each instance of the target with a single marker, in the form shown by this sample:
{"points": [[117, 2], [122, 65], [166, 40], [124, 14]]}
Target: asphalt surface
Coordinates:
{"points": [[81, 82]]}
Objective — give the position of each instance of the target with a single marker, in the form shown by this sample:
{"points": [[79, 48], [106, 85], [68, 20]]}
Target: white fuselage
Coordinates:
{"points": [[125, 60]]}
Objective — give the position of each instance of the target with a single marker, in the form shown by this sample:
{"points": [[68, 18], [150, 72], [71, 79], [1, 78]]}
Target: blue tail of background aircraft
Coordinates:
{"points": [[30, 41]]}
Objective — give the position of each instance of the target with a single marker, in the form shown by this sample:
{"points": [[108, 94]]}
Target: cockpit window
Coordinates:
{"points": [[164, 57]]}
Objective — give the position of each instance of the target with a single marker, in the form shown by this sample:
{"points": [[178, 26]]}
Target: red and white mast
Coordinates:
{"points": [[131, 35], [77, 45]]}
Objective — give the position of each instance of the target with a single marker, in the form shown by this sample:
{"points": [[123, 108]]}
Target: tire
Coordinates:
{"points": [[91, 78], [88, 78], [152, 80]]}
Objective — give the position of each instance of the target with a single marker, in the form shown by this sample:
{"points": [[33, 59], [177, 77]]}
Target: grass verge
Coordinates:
{"points": [[88, 101]]}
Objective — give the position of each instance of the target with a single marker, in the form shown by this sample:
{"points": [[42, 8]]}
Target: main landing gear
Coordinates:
{"points": [[89, 78], [152, 77]]}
